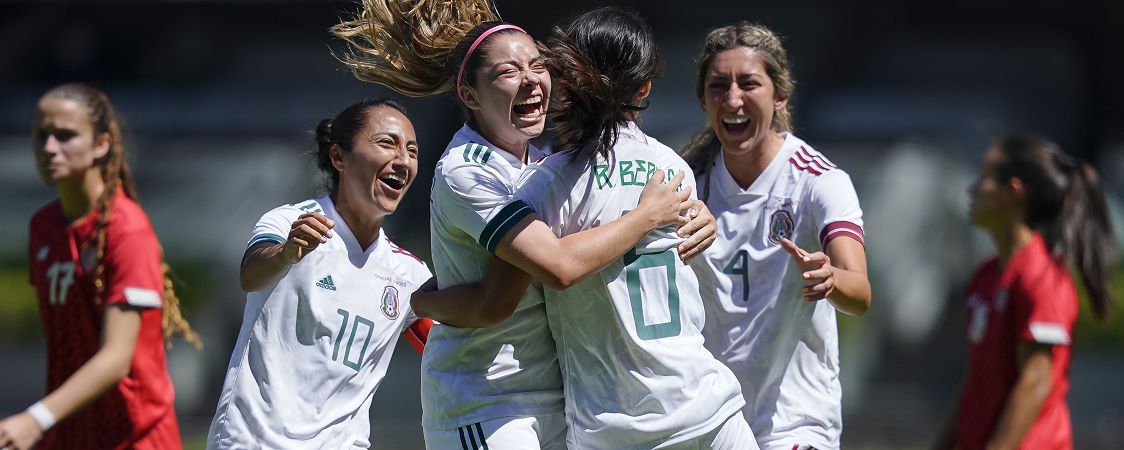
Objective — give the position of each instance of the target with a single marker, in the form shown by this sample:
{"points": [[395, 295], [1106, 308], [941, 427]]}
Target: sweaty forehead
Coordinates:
{"points": [[385, 119], [509, 46]]}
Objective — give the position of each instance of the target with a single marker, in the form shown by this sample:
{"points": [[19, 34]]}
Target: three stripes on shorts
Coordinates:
{"points": [[472, 437]]}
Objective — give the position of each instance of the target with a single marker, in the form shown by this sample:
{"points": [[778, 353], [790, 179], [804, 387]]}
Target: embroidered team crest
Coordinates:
{"points": [[42, 254], [1001, 300], [781, 223], [88, 259], [389, 304]]}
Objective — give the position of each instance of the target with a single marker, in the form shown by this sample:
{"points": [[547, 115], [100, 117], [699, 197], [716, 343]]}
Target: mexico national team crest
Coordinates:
{"points": [[389, 304], [781, 223], [88, 258]]}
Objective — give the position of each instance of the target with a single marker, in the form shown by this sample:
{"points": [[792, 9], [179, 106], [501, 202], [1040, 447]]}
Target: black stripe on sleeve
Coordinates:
{"points": [[500, 224]]}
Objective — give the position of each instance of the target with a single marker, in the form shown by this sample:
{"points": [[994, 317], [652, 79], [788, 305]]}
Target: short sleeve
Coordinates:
{"points": [[835, 208], [475, 199], [534, 190], [274, 225], [133, 271], [1044, 308]]}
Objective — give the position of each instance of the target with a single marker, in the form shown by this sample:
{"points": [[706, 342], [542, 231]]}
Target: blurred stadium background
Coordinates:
{"points": [[218, 98]]}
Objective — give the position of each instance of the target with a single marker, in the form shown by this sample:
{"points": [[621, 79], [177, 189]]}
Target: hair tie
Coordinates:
{"points": [[485, 34], [636, 108], [329, 133]]}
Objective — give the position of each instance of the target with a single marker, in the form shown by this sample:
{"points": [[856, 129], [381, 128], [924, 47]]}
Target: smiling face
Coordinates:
{"points": [[511, 93], [377, 172], [740, 100], [63, 139]]}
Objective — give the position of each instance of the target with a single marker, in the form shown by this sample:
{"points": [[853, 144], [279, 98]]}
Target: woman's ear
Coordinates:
{"points": [[468, 97], [779, 103], [643, 92], [101, 147], [335, 154], [1017, 189]]}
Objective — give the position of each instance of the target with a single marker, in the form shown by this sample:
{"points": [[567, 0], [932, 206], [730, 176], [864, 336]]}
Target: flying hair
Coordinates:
{"points": [[411, 46]]}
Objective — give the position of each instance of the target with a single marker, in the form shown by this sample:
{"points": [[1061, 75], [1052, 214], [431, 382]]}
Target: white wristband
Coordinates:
{"points": [[42, 415]]}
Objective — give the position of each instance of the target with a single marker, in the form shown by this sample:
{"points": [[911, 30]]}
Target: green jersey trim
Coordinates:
{"points": [[474, 152], [265, 237], [499, 226]]}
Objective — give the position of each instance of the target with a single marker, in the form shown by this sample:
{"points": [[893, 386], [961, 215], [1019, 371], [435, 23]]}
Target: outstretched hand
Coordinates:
{"points": [[816, 270]]}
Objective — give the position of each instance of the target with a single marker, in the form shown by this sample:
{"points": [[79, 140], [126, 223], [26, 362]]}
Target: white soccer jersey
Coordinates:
{"points": [[635, 372], [783, 349], [313, 348], [473, 375]]}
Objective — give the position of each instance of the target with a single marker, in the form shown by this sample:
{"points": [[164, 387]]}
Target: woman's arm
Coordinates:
{"points": [[532, 251], [264, 264], [477, 305], [562, 262], [111, 363], [1033, 386], [839, 274]]}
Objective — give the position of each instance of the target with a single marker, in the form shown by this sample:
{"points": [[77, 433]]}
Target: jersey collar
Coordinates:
{"points": [[354, 252], [726, 184]]}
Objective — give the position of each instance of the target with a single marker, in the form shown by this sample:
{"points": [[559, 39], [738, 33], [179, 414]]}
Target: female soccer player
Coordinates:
{"points": [[635, 372], [630, 343], [1045, 213], [771, 321], [327, 295], [497, 387], [106, 303]]}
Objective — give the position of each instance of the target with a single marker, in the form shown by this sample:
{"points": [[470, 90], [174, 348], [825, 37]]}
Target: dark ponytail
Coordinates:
{"points": [[599, 62], [1085, 237], [341, 130], [1064, 202]]}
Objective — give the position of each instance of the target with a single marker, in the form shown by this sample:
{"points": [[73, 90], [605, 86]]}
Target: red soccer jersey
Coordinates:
{"points": [[1032, 299], [137, 412]]}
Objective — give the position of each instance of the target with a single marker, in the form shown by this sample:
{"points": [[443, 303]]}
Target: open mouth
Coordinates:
{"points": [[394, 181], [528, 107], [735, 125]]}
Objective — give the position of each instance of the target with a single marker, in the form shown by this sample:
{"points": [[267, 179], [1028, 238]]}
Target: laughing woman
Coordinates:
{"points": [[771, 304], [327, 295], [492, 380]]}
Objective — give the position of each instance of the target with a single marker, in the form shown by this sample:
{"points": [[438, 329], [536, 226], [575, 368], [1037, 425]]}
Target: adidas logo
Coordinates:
{"points": [[326, 283]]}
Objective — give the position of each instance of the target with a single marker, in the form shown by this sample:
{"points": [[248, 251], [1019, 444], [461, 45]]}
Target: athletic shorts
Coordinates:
{"points": [[734, 434], [547, 432]]}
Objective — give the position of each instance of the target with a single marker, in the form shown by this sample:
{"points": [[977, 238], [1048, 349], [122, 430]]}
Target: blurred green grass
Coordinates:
{"points": [[19, 309]]}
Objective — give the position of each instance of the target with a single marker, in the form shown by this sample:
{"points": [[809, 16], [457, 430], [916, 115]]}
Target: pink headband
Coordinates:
{"points": [[477, 42]]}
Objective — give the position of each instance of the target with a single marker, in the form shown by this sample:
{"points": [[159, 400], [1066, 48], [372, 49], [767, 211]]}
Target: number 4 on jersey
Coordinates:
{"points": [[739, 265]]}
